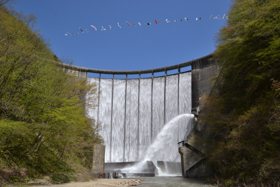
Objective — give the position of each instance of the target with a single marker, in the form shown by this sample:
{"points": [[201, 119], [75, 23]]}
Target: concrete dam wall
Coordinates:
{"points": [[132, 112]]}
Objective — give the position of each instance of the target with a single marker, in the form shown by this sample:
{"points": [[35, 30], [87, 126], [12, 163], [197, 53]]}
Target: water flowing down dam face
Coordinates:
{"points": [[133, 112]]}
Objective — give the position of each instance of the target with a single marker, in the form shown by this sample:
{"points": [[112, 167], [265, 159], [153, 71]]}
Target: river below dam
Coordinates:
{"points": [[172, 182]]}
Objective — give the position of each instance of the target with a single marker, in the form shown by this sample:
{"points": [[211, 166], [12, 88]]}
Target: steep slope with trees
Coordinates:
{"points": [[43, 127], [243, 112]]}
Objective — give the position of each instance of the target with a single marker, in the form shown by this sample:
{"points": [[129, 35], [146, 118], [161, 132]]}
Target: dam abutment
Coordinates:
{"points": [[194, 164]]}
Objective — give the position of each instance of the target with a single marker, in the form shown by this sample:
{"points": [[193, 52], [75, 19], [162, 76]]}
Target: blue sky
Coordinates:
{"points": [[128, 48]]}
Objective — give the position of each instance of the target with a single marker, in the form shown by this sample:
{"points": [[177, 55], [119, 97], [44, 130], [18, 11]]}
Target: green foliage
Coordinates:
{"points": [[5, 2], [243, 115], [43, 126], [61, 178]]}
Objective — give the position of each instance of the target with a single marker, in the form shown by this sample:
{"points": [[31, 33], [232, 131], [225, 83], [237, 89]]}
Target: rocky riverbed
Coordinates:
{"points": [[145, 182]]}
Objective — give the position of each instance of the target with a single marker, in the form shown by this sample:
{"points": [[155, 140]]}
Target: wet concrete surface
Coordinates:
{"points": [[173, 182]]}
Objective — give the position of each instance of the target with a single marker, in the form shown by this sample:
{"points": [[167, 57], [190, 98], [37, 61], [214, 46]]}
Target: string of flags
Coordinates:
{"points": [[218, 17]]}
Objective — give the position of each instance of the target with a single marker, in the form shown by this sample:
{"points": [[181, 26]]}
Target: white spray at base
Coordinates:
{"points": [[165, 143]]}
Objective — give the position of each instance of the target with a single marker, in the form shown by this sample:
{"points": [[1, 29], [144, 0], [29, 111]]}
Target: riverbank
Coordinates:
{"points": [[145, 182]]}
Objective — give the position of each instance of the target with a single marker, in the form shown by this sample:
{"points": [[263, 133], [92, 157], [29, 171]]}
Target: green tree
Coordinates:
{"points": [[5, 2], [243, 112], [43, 127]]}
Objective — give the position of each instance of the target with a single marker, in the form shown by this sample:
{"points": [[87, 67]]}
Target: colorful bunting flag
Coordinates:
{"points": [[94, 27], [156, 22], [119, 25]]}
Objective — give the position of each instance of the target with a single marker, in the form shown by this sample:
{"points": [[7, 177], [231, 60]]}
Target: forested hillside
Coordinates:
{"points": [[43, 127], [243, 112]]}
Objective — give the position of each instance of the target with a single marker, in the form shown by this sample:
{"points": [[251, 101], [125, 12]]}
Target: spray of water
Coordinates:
{"points": [[165, 142]]}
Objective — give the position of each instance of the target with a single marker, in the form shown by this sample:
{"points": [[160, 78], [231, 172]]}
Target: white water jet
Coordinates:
{"points": [[165, 143]]}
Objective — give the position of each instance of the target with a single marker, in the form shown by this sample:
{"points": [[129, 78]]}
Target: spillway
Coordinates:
{"points": [[131, 113]]}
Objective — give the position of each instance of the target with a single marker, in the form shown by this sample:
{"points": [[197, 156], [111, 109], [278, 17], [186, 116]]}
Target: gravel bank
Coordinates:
{"points": [[146, 182]]}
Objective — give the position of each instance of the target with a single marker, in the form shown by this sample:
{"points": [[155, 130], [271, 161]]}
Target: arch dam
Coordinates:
{"points": [[132, 111]]}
